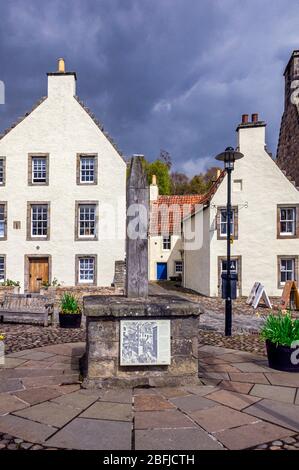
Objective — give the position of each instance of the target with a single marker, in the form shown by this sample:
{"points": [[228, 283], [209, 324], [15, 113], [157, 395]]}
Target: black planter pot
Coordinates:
{"points": [[280, 357], [70, 320]]}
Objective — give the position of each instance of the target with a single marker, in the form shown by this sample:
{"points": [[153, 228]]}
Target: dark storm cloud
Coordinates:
{"points": [[171, 74]]}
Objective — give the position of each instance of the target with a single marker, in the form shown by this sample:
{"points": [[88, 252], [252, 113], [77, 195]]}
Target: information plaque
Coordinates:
{"points": [[144, 342]]}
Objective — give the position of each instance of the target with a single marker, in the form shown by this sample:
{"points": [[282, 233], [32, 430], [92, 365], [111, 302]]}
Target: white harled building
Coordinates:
{"points": [[265, 227], [62, 182]]}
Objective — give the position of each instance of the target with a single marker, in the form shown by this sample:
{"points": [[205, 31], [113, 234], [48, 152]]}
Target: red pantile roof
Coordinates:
{"points": [[168, 212]]}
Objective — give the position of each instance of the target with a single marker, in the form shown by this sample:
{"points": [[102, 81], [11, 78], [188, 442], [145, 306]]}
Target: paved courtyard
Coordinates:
{"points": [[239, 403]]}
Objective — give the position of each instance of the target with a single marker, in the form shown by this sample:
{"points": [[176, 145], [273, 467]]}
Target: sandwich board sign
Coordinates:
{"points": [[257, 293], [290, 296]]}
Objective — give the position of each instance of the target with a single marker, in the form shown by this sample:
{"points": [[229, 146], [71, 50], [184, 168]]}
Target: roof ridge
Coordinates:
{"points": [[21, 118], [99, 125]]}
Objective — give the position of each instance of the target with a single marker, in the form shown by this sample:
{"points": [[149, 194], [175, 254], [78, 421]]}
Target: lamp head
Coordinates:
{"points": [[228, 157]]}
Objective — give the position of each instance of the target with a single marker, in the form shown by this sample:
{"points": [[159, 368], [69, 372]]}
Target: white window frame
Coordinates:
{"points": [[87, 221], [175, 267], [224, 223], [88, 169], [44, 208], [287, 221], [286, 270], [166, 242], [86, 260], [41, 168]]}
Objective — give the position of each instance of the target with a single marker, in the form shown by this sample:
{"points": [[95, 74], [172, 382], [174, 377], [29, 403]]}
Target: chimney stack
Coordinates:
{"points": [[153, 189], [61, 65], [244, 118]]}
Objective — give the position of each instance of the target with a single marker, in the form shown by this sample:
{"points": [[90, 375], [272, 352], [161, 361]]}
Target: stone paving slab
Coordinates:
{"points": [[251, 367], [283, 414], [285, 379], [31, 382], [37, 355], [117, 396], [93, 434], [151, 403], [240, 387], [79, 400], [174, 392], [244, 437], [235, 400], [192, 403], [38, 395], [109, 411], [249, 377], [11, 362], [162, 419], [25, 429], [67, 349], [220, 417], [9, 403], [274, 392], [10, 385], [217, 368], [172, 439], [297, 397], [200, 390], [49, 413]]}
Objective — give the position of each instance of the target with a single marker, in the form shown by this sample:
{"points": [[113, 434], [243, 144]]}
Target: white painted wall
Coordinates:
{"points": [[264, 186], [62, 128], [158, 255]]}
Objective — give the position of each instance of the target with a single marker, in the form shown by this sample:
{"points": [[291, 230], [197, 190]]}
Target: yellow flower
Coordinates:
{"points": [[2, 337]]}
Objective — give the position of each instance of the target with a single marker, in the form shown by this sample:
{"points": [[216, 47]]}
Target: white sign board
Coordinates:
{"points": [[144, 342], [257, 293]]}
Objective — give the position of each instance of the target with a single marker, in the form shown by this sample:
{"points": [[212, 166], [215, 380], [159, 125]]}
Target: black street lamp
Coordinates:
{"points": [[229, 156]]}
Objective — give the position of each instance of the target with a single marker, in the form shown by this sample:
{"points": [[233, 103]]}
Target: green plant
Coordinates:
{"points": [[69, 304], [54, 283], [280, 329], [10, 283]]}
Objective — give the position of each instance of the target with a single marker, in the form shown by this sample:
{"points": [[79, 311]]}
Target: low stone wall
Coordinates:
{"points": [[56, 293], [5, 290], [101, 363]]}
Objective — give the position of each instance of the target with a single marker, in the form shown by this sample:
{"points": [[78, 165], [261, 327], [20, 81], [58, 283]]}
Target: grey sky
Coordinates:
{"points": [[160, 74]]}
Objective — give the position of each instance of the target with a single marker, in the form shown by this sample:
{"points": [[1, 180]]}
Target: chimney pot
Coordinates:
{"points": [[61, 65], [254, 117], [244, 118], [154, 180]]}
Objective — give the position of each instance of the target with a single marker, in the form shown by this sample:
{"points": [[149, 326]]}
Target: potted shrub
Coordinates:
{"points": [[281, 333], [11, 283], [70, 313]]}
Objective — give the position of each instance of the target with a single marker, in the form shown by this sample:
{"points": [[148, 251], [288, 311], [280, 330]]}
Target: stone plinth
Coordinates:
{"points": [[101, 363]]}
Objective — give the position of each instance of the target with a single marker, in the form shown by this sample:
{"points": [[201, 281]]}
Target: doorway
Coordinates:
{"points": [[38, 273]]}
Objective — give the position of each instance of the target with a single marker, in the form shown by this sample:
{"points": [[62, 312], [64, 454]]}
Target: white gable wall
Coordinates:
{"points": [[62, 128], [264, 186]]}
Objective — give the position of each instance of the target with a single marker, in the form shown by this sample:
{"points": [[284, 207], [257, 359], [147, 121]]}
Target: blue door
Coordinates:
{"points": [[161, 271]]}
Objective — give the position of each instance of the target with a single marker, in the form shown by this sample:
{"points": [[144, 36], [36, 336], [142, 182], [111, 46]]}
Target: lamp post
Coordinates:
{"points": [[229, 156]]}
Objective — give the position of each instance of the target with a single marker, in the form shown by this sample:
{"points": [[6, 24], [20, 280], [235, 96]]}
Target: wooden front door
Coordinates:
{"points": [[38, 273]]}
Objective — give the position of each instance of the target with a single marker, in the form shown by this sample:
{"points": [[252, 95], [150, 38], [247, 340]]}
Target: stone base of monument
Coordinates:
{"points": [[122, 331]]}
